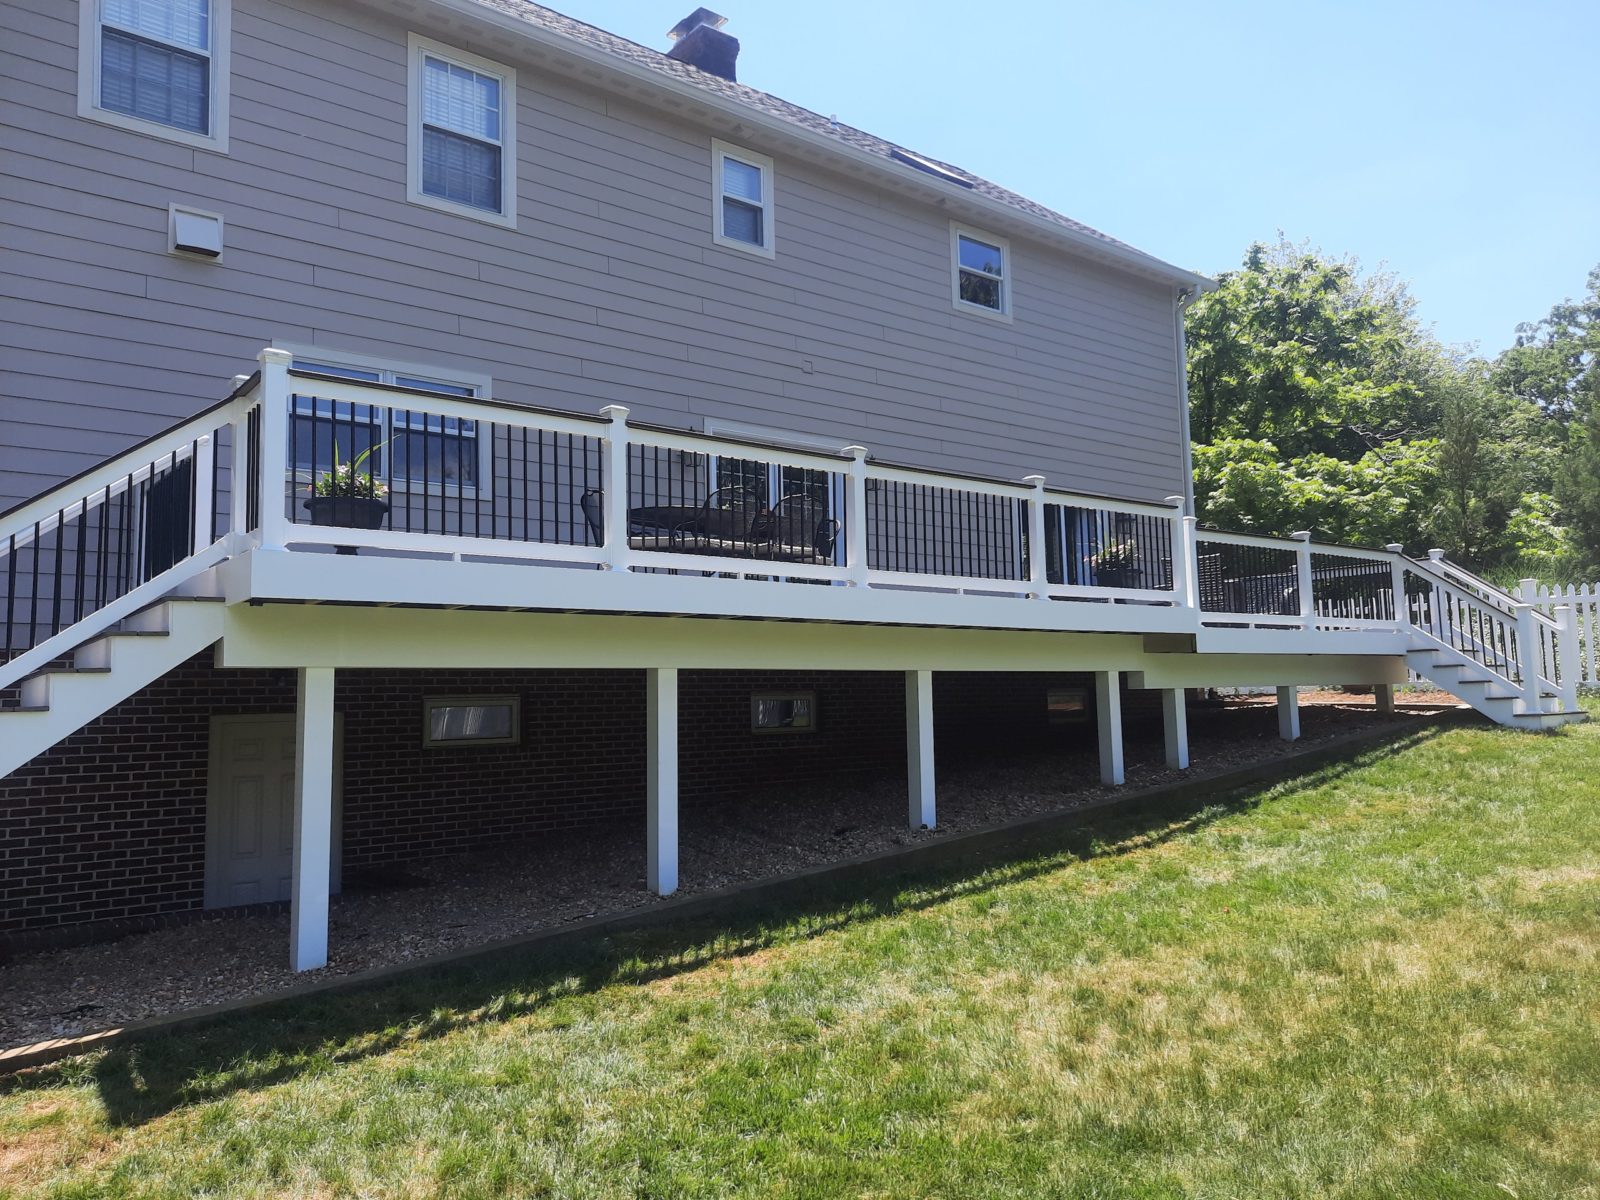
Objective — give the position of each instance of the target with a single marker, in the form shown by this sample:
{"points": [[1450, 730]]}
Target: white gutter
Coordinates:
{"points": [[1180, 308], [749, 115]]}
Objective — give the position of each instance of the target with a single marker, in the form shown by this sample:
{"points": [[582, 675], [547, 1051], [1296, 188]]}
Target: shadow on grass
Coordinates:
{"points": [[146, 1078]]}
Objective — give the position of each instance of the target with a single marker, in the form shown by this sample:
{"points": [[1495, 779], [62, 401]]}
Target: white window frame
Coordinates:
{"points": [[723, 150], [420, 47], [957, 232], [216, 140], [482, 386]]}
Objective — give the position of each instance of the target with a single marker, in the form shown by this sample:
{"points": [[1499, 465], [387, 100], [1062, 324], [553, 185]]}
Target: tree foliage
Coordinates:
{"points": [[1318, 401]]}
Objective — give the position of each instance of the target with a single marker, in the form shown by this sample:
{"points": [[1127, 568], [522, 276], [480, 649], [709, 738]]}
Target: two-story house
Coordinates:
{"points": [[431, 422]]}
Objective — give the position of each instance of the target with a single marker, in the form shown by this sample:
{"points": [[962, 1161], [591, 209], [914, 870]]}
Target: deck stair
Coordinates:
{"points": [[1487, 692], [58, 700]]}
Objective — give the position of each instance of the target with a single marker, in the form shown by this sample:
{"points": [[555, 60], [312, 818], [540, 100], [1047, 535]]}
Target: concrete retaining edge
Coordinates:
{"points": [[1020, 832]]}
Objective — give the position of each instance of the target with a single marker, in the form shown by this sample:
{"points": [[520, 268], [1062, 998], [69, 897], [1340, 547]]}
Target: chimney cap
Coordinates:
{"points": [[700, 16]]}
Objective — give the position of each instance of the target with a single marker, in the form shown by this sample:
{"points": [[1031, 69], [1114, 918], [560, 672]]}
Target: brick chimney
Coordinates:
{"points": [[699, 41]]}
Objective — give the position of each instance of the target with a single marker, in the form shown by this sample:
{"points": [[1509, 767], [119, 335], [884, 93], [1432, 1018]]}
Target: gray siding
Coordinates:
{"points": [[610, 291]]}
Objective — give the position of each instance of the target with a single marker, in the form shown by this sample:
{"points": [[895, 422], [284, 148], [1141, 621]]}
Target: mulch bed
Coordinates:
{"points": [[449, 903]]}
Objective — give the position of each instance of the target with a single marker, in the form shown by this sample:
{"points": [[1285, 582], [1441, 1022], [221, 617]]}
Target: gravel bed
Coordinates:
{"points": [[463, 900]]}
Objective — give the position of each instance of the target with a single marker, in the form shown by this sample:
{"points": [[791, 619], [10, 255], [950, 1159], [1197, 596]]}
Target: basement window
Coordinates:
{"points": [[1067, 706], [786, 712], [471, 721]]}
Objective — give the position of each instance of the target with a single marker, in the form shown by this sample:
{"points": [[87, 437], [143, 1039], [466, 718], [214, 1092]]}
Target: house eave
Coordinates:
{"points": [[972, 205]]}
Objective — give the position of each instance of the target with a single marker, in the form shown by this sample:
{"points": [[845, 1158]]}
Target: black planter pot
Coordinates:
{"points": [[1119, 577], [349, 512]]}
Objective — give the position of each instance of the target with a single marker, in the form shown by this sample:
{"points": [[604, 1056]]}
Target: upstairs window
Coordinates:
{"points": [[742, 199], [462, 142], [980, 275], [158, 66]]}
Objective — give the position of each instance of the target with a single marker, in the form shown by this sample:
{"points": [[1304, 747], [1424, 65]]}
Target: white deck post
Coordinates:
{"points": [[1383, 696], [1182, 568], [273, 453], [1305, 583], [1175, 723], [661, 837], [1108, 718], [1528, 658], [1038, 560], [920, 787], [313, 820], [1289, 713], [1397, 571], [1567, 655], [855, 517], [614, 485], [239, 467], [205, 458]]}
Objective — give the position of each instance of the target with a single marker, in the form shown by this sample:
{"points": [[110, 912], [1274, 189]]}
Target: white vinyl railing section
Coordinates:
{"points": [[469, 478]]}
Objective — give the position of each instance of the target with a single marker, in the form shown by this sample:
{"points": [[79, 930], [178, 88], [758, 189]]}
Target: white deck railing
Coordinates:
{"points": [[489, 481]]}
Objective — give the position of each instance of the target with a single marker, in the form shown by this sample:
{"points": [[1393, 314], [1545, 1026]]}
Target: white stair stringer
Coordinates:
{"points": [[107, 669], [1491, 694]]}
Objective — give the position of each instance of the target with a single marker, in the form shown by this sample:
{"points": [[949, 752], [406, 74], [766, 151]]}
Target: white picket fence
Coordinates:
{"points": [[1584, 600]]}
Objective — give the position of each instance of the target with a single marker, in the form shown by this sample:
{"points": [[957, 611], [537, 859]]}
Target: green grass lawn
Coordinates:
{"points": [[1382, 980]]}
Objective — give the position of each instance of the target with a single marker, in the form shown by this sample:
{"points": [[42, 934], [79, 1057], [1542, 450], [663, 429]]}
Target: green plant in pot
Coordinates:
{"points": [[1117, 565], [349, 495]]}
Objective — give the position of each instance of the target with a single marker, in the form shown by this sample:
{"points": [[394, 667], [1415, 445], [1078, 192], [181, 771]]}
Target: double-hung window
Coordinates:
{"points": [[462, 139], [980, 279], [412, 450], [741, 199], [157, 66]]}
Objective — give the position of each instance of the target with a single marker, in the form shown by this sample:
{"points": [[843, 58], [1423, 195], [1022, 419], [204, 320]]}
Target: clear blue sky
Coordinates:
{"points": [[1456, 143]]}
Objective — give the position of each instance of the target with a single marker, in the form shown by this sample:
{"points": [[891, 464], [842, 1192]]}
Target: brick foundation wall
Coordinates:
{"points": [[110, 824]]}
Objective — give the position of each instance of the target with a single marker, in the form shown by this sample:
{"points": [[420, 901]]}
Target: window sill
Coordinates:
{"points": [[978, 310], [506, 220], [744, 247], [215, 143]]}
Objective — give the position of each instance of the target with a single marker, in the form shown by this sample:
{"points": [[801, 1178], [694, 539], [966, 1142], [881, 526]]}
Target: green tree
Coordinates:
{"points": [[1555, 363], [1306, 352]]}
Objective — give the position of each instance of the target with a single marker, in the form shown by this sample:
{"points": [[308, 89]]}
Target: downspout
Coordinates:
{"points": [[1185, 297]]}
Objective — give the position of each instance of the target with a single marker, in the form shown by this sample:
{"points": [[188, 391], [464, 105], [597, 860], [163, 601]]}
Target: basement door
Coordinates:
{"points": [[250, 809]]}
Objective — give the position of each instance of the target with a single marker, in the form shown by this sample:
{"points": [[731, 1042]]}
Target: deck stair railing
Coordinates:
{"points": [[1531, 652], [432, 476], [82, 556]]}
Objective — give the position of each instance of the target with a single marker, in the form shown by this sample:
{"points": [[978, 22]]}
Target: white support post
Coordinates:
{"points": [[661, 837], [1567, 652], [1038, 560], [614, 485], [855, 517], [1289, 713], [1397, 569], [1383, 697], [1108, 717], [1175, 723], [1306, 586], [1191, 553], [205, 457], [1528, 658], [273, 453], [921, 791], [313, 820], [239, 470], [1181, 567]]}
